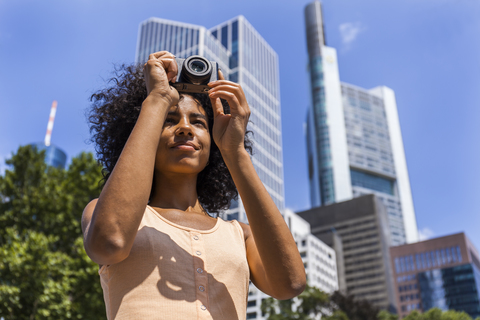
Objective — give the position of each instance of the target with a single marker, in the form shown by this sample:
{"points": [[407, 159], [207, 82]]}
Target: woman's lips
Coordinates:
{"points": [[184, 147]]}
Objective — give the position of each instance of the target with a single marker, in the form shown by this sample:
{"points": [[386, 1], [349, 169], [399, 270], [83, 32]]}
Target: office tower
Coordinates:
{"points": [[354, 140], [438, 273], [319, 259], [246, 58], [54, 156], [361, 224]]}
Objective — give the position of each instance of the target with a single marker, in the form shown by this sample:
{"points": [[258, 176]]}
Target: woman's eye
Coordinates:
{"points": [[198, 122]]}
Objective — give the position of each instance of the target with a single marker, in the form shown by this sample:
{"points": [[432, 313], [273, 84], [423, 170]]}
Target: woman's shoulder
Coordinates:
{"points": [[87, 213], [242, 227]]}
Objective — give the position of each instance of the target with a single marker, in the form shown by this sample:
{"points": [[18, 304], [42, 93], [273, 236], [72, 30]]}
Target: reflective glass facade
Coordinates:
{"points": [[319, 156], [246, 58], [54, 156], [437, 273], [428, 259], [370, 181], [455, 288]]}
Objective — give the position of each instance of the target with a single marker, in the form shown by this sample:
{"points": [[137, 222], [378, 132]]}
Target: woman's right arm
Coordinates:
{"points": [[110, 223]]}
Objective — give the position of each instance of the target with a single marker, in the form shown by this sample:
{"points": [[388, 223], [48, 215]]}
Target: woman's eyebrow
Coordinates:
{"points": [[198, 115]]}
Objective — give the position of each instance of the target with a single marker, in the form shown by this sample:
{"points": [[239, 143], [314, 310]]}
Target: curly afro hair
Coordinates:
{"points": [[113, 114]]}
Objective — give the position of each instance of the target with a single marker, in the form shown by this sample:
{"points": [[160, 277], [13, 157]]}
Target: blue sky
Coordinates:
{"points": [[427, 51]]}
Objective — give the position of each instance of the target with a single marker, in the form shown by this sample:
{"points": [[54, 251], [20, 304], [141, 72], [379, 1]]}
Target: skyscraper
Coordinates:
{"points": [[354, 140], [246, 58]]}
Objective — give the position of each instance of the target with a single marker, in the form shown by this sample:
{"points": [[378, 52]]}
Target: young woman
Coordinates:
{"points": [[169, 159]]}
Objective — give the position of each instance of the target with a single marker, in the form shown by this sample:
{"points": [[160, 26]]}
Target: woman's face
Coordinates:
{"points": [[184, 145]]}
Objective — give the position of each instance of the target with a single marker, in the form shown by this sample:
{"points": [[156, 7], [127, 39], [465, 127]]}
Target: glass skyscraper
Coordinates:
{"points": [[246, 58], [354, 140], [54, 156]]}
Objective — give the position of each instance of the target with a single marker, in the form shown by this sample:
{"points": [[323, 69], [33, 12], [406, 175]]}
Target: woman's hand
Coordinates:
{"points": [[229, 129], [161, 68]]}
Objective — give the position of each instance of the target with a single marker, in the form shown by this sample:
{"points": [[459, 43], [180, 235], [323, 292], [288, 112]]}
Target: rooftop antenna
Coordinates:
{"points": [[53, 110]]}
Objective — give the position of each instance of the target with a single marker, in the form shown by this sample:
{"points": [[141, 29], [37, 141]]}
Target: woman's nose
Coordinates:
{"points": [[184, 128]]}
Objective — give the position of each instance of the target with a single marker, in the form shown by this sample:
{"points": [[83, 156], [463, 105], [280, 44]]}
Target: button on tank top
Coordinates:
{"points": [[175, 272]]}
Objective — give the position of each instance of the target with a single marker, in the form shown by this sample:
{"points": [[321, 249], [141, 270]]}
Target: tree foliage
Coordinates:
{"points": [[44, 271], [354, 308]]}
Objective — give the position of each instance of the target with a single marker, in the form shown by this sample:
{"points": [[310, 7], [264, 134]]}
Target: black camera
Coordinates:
{"points": [[194, 73]]}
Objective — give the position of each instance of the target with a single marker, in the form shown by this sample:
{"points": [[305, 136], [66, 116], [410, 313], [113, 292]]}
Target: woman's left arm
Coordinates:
{"points": [[275, 264]]}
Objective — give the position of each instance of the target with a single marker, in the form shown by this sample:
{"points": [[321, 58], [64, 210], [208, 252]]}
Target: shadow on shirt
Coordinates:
{"points": [[158, 262]]}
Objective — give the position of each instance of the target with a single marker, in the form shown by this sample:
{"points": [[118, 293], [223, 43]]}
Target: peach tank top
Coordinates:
{"points": [[175, 272]]}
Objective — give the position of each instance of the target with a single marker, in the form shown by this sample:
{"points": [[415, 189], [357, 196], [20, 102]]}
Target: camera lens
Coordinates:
{"points": [[196, 70], [198, 66]]}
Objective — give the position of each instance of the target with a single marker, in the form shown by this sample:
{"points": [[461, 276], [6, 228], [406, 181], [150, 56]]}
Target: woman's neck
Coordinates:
{"points": [[176, 192]]}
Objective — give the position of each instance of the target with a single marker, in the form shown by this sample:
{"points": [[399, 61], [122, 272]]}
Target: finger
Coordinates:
{"points": [[235, 106], [230, 87], [220, 74], [169, 63], [159, 54], [217, 107], [223, 82], [171, 67]]}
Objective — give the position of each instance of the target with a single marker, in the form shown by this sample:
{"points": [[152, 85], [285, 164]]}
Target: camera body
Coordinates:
{"points": [[194, 73]]}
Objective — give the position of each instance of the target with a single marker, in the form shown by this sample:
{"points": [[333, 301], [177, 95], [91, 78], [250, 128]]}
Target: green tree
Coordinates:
{"points": [[385, 315], [44, 271], [337, 315], [314, 301], [437, 314], [311, 303], [354, 308]]}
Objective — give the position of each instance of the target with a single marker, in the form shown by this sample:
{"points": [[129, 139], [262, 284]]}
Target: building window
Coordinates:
{"points": [[251, 315], [439, 258], [397, 265], [454, 255], [459, 254], [252, 303], [449, 255], [427, 257], [444, 256], [402, 264], [370, 181]]}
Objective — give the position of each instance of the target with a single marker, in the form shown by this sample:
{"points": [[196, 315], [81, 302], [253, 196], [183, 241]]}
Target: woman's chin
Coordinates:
{"points": [[184, 167]]}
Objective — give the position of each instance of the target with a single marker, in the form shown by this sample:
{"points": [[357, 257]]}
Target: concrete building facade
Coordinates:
{"points": [[363, 255], [438, 273], [354, 140]]}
